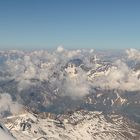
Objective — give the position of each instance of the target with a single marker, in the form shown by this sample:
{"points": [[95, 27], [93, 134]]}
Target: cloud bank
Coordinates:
{"points": [[67, 71]]}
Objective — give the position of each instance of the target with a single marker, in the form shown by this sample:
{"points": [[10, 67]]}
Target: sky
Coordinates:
{"points": [[46, 24]]}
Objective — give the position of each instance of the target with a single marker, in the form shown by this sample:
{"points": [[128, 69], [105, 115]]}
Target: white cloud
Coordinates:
{"points": [[119, 77], [60, 49], [6, 104], [75, 87], [133, 54]]}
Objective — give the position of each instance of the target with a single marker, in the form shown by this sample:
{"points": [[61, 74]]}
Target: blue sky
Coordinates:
{"points": [[45, 24]]}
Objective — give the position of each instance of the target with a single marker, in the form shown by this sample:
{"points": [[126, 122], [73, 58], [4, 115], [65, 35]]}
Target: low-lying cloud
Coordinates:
{"points": [[75, 82], [133, 54], [8, 105]]}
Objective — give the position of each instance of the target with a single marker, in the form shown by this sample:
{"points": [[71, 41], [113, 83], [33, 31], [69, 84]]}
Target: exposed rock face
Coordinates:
{"points": [[71, 126]]}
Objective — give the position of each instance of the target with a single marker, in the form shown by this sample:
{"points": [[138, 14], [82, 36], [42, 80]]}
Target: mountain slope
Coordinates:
{"points": [[72, 126]]}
